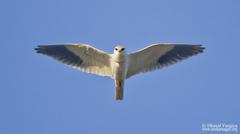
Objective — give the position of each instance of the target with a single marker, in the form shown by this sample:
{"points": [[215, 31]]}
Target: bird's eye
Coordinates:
{"points": [[123, 49], [116, 49]]}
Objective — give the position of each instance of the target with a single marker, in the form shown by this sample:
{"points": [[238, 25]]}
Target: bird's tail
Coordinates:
{"points": [[119, 84]]}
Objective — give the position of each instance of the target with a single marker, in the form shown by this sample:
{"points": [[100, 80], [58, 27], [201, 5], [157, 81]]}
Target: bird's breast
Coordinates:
{"points": [[119, 70]]}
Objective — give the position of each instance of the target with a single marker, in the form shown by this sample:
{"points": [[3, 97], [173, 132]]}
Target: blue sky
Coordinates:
{"points": [[41, 96]]}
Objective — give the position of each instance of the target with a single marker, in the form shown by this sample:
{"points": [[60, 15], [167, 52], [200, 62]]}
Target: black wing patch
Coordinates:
{"points": [[179, 52], [61, 53]]}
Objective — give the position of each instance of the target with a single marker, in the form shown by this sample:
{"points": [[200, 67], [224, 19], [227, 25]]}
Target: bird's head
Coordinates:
{"points": [[119, 49]]}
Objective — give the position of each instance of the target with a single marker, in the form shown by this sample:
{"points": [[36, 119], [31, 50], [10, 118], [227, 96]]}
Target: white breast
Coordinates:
{"points": [[119, 67]]}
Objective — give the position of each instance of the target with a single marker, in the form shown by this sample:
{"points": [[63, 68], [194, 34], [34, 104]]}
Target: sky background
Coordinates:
{"points": [[39, 95]]}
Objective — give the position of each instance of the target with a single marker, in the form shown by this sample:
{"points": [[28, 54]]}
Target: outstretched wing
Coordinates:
{"points": [[80, 56], [158, 56]]}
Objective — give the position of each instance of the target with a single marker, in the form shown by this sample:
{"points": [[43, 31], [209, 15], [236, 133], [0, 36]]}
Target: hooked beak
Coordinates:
{"points": [[121, 50]]}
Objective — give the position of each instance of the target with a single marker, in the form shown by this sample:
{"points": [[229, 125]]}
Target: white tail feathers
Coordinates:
{"points": [[119, 84]]}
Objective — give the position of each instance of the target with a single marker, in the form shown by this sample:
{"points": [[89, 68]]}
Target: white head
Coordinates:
{"points": [[119, 49]]}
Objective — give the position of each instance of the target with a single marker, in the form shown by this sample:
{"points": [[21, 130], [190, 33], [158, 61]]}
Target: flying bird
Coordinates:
{"points": [[120, 65]]}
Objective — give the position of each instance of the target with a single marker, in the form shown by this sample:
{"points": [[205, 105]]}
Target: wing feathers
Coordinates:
{"points": [[91, 60], [160, 55], [80, 56], [60, 53], [179, 52]]}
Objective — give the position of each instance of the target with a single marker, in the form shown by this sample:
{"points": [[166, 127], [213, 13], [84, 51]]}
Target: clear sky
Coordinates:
{"points": [[39, 95]]}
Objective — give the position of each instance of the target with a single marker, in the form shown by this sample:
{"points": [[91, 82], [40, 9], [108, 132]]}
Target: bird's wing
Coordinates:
{"points": [[80, 56], [158, 56]]}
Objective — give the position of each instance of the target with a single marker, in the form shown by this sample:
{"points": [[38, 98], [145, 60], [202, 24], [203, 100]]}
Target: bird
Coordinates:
{"points": [[119, 65]]}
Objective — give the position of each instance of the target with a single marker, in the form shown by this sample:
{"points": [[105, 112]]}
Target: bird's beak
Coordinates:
{"points": [[121, 50]]}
